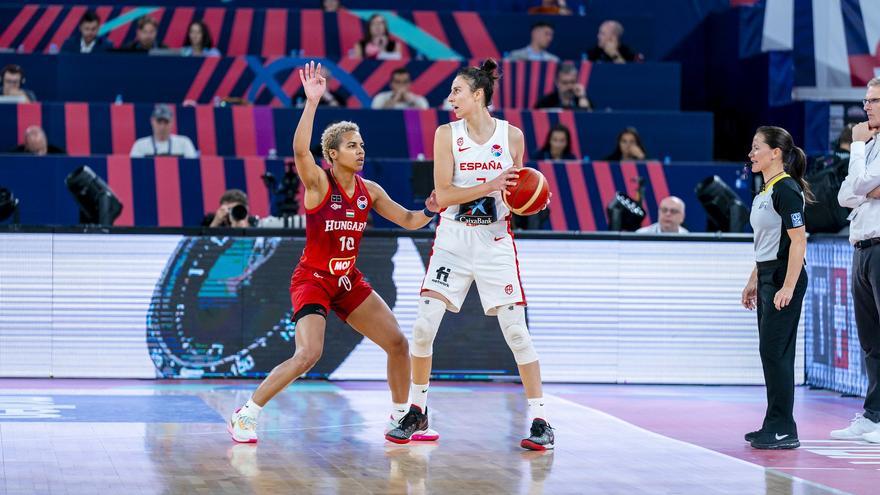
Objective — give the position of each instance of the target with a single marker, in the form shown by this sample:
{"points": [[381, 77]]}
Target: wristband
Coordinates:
{"points": [[428, 213]]}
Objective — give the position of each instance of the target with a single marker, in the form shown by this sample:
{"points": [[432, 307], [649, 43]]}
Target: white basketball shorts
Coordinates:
{"points": [[485, 254]]}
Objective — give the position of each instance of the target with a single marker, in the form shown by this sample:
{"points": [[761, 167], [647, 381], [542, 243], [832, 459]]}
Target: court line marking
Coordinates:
{"points": [[817, 468], [698, 447], [185, 434]]}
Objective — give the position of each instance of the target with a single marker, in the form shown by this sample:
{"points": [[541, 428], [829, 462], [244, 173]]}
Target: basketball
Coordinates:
{"points": [[530, 193]]}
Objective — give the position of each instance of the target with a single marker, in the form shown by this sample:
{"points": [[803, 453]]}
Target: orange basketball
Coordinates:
{"points": [[530, 193]]}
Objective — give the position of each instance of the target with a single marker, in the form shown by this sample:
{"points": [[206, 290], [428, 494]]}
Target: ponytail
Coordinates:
{"points": [[797, 166], [794, 160]]}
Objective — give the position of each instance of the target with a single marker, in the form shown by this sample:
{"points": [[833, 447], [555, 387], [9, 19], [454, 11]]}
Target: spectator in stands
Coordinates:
{"points": [[145, 37], [163, 142], [551, 7], [399, 97], [13, 80], [330, 5], [198, 41], [557, 146], [609, 47], [233, 212], [569, 93], [671, 217], [377, 43], [542, 36], [36, 143], [87, 40], [629, 146]]}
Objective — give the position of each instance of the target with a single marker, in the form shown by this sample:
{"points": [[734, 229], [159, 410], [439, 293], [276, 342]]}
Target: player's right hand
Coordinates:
{"points": [[750, 295], [313, 81], [504, 180]]}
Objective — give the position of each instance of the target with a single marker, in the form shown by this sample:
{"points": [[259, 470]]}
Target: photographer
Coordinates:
{"points": [[569, 94], [233, 212]]}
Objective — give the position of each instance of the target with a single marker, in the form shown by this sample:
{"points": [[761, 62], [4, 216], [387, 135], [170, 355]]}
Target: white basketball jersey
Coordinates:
{"points": [[476, 164]]}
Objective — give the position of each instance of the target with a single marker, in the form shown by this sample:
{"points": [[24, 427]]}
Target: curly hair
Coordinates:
{"points": [[331, 138]]}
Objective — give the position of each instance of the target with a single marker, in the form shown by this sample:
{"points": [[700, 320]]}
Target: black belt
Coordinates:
{"points": [[867, 243], [771, 264]]}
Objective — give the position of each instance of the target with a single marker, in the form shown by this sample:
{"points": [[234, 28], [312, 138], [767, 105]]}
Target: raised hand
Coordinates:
{"points": [[313, 81]]}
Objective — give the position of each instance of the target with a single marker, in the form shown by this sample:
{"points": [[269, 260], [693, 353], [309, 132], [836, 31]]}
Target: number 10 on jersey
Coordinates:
{"points": [[346, 243]]}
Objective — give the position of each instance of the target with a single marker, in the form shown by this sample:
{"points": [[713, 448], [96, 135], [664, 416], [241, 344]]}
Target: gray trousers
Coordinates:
{"points": [[866, 302]]}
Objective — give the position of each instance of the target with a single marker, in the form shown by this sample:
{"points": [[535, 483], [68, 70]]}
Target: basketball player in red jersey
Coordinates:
{"points": [[337, 202], [475, 160]]}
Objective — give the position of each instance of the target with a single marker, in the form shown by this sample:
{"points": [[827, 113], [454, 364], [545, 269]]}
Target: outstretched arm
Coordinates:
{"points": [[394, 212], [313, 178]]}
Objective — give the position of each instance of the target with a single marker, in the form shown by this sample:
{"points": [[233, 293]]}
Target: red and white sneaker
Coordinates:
{"points": [[242, 427]]}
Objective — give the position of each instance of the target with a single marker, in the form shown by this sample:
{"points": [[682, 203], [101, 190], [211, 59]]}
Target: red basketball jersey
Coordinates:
{"points": [[334, 228]]}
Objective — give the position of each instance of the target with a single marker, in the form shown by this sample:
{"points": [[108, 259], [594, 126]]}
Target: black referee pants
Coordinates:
{"points": [[777, 334], [866, 302]]}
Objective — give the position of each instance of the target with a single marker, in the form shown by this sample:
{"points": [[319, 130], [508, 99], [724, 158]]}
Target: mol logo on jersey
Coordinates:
{"points": [[490, 165], [341, 266]]}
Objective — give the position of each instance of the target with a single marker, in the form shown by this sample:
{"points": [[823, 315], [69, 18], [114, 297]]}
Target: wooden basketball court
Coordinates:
{"points": [[144, 437]]}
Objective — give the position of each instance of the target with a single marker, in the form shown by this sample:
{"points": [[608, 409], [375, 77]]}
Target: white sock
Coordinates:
{"points": [[251, 408], [536, 409], [398, 411], [419, 395]]}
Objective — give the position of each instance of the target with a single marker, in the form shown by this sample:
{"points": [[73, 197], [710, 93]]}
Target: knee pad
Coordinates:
{"points": [[427, 323], [512, 319]]}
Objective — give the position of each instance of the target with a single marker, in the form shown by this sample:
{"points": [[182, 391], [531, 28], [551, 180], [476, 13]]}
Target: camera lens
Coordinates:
{"points": [[239, 212]]}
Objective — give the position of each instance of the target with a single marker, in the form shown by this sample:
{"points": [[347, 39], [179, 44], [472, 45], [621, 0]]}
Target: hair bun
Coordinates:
{"points": [[489, 66]]}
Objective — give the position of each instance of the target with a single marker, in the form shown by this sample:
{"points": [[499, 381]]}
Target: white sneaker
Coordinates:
{"points": [[856, 429], [242, 427], [873, 437]]}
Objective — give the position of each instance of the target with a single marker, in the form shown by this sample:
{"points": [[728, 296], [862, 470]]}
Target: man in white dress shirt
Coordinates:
{"points": [[671, 217], [861, 192], [163, 142]]}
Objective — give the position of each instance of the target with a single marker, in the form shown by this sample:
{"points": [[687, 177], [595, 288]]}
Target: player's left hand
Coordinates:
{"points": [[431, 203], [783, 297]]}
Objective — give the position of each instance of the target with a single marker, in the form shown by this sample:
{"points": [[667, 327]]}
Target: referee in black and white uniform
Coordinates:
{"points": [[779, 281], [861, 192]]}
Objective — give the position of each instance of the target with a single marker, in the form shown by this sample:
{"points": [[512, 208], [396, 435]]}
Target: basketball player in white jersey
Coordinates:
{"points": [[475, 159]]}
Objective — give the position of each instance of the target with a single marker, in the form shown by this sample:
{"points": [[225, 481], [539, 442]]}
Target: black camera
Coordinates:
{"points": [[239, 212]]}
